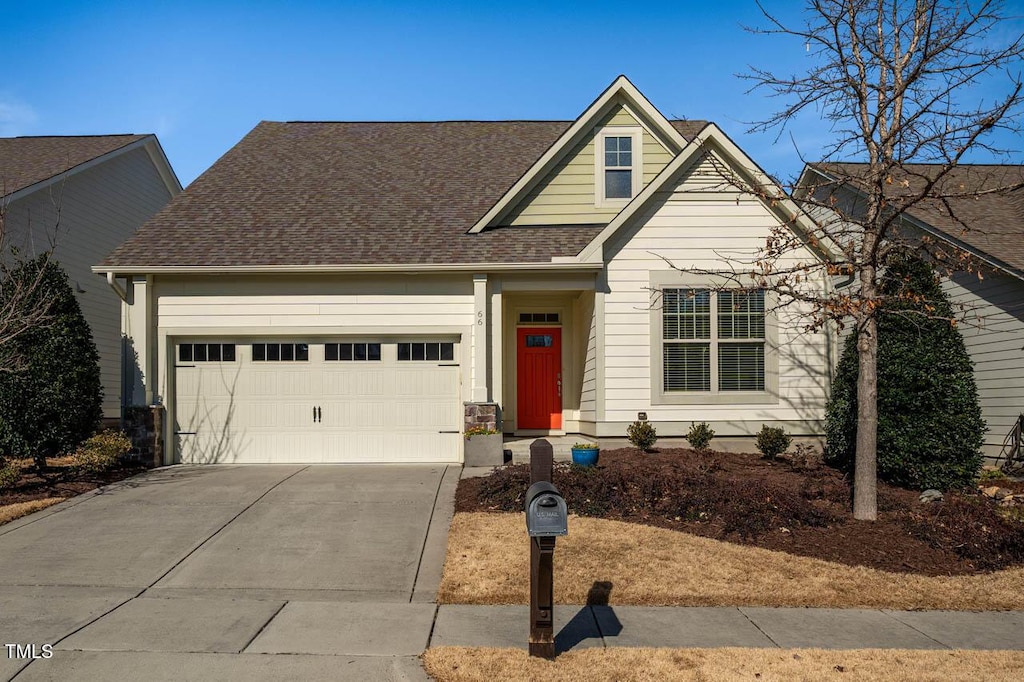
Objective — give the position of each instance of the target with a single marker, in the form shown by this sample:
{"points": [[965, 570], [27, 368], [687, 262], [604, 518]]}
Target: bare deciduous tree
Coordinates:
{"points": [[898, 81]]}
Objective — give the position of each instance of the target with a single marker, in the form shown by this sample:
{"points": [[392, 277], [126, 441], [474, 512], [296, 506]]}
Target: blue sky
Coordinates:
{"points": [[201, 74]]}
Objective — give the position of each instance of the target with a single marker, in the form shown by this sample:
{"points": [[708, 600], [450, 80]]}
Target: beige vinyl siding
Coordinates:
{"points": [[333, 304], [98, 209], [694, 225], [588, 336], [993, 332], [566, 196], [315, 308]]}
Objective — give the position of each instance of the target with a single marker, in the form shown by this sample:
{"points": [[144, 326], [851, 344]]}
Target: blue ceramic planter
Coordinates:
{"points": [[586, 457]]}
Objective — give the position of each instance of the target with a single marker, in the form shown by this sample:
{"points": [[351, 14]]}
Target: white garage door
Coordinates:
{"points": [[333, 401]]}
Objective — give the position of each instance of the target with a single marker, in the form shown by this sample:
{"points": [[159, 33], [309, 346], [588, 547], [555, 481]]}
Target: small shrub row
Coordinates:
{"points": [[700, 436], [642, 435], [102, 452], [772, 441]]}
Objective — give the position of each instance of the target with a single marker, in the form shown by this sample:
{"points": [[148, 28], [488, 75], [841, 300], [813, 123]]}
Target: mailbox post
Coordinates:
{"points": [[546, 519]]}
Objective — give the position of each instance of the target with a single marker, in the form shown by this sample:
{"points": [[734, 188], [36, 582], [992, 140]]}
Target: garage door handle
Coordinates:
{"points": [[314, 414], [449, 431], [319, 415]]}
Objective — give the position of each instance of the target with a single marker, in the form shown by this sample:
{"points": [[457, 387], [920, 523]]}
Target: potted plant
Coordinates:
{"points": [[484, 447], [585, 454]]}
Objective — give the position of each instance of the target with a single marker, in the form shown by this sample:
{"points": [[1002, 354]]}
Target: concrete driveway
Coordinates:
{"points": [[207, 572]]}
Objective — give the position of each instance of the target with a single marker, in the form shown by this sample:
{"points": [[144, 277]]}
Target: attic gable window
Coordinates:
{"points": [[617, 165]]}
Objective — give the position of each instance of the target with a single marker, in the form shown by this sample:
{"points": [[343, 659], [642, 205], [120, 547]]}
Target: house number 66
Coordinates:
{"points": [[480, 317]]}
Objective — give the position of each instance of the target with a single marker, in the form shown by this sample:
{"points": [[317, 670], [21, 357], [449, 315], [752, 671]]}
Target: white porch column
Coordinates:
{"points": [[137, 329], [497, 339], [480, 325]]}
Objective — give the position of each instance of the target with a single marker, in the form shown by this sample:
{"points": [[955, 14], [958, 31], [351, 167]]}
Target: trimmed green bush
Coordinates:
{"points": [[772, 441], [52, 401], [9, 475], [930, 429], [699, 436], [102, 452], [642, 435]]}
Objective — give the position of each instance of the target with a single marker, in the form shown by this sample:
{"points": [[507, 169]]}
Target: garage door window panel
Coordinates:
{"points": [[426, 351], [280, 352], [352, 352], [206, 352]]}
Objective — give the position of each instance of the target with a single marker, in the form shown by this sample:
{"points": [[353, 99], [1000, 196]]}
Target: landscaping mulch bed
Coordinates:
{"points": [[61, 480], [798, 507]]}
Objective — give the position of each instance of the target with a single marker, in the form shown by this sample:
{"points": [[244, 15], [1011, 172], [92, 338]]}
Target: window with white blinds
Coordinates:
{"points": [[713, 340]]}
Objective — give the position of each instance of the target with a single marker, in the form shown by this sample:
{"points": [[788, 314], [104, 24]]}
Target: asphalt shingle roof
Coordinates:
{"points": [[990, 223], [312, 193], [24, 161]]}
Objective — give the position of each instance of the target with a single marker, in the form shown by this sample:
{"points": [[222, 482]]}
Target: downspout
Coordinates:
{"points": [[118, 289], [123, 295], [831, 287]]}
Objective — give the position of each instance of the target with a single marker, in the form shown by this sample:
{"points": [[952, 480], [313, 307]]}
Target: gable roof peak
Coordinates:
{"points": [[620, 87], [28, 160]]}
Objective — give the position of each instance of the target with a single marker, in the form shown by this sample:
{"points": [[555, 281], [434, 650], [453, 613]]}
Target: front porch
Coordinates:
{"points": [[534, 348]]}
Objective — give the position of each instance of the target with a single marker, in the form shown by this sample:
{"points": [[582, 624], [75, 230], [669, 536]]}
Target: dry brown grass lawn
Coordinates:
{"points": [[488, 563], [10, 512], [28, 462], [459, 664]]}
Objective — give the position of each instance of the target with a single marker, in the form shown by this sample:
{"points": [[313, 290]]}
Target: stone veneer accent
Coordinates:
{"points": [[144, 425], [481, 414]]}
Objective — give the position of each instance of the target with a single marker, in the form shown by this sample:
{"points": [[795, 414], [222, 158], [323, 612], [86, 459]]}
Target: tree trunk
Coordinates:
{"points": [[865, 480]]}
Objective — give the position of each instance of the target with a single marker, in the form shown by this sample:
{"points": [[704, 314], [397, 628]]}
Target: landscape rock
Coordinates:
{"points": [[931, 495], [990, 491], [1002, 493]]}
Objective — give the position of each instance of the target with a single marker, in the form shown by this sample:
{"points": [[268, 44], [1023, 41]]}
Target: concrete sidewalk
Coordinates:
{"points": [[681, 627]]}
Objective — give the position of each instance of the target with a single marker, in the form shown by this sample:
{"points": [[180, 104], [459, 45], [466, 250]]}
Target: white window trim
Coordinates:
{"points": [[635, 132], [770, 394]]}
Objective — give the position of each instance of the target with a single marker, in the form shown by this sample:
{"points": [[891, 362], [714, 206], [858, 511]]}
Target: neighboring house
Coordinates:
{"points": [[84, 195], [990, 227], [363, 292]]}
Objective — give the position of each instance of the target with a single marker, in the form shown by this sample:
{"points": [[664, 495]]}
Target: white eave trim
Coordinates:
{"points": [[152, 146], [711, 138], [570, 137], [407, 268]]}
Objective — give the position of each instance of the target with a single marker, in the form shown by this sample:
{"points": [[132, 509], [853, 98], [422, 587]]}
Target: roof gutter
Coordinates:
{"points": [[404, 268]]}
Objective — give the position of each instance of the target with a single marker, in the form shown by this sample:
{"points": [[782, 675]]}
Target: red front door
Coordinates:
{"points": [[539, 378]]}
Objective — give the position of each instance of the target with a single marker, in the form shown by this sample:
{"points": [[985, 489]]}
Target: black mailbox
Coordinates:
{"points": [[546, 513]]}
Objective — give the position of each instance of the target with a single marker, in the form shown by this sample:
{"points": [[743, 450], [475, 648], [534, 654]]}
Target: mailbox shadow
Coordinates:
{"points": [[593, 621]]}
